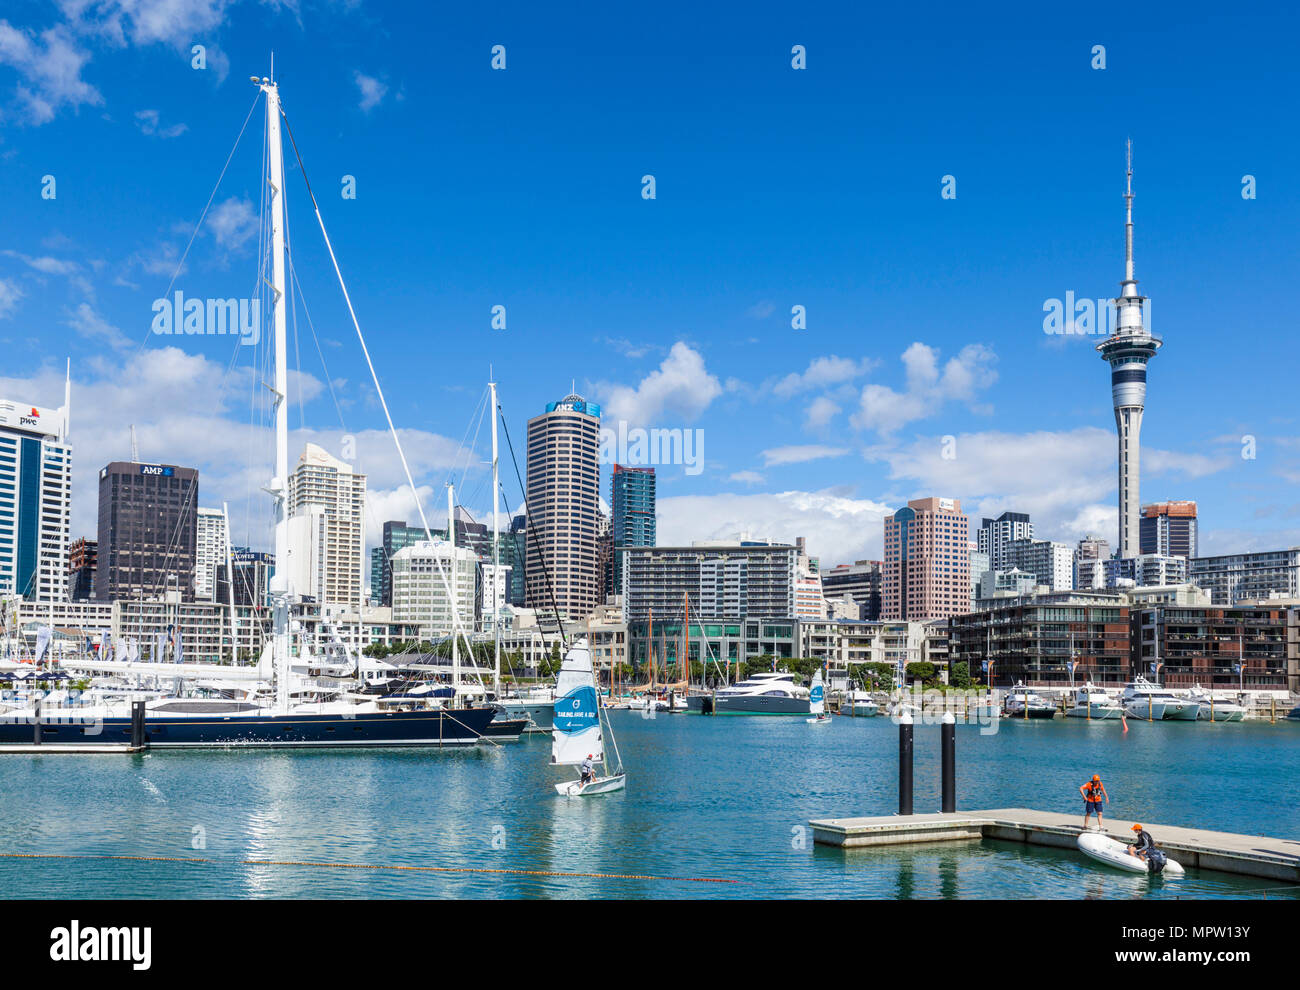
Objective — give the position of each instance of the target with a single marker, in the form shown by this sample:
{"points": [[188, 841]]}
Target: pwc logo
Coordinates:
{"points": [[31, 420]]}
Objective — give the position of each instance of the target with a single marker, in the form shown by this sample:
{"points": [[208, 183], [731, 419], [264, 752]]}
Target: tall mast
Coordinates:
{"points": [[230, 589], [281, 588], [497, 583], [455, 588]]}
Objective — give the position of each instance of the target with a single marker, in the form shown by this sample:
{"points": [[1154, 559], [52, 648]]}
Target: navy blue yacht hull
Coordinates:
{"points": [[454, 727]]}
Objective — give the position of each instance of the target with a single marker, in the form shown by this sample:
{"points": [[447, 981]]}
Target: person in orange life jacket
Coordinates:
{"points": [[1093, 794], [1144, 845]]}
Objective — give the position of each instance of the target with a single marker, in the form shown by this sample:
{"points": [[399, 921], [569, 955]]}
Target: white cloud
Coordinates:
{"points": [[820, 412], [838, 528], [232, 223], [800, 454], [761, 310], [49, 66], [372, 90], [149, 123], [46, 265], [680, 389], [747, 477], [87, 323], [9, 296], [822, 372], [886, 411]]}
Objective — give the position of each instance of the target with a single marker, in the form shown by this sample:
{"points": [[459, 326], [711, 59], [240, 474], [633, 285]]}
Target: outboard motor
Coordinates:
{"points": [[1156, 861]]}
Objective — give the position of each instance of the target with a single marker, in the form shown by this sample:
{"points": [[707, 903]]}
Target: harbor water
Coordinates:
{"points": [[708, 799]]}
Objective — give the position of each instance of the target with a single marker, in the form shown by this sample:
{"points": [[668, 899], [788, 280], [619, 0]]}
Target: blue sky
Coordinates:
{"points": [[775, 188]]}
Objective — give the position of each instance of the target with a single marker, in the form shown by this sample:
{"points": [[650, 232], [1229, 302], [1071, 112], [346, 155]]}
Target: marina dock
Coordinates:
{"points": [[1248, 855], [37, 748]]}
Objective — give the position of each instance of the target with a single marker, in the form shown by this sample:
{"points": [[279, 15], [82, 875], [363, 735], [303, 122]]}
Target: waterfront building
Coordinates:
{"points": [[148, 522], [994, 535], [927, 561], [563, 506], [327, 506], [633, 522], [809, 600], [1231, 578], [35, 499], [1169, 529], [82, 557], [1052, 563], [841, 642], [209, 551], [843, 608], [375, 589], [1205, 645], [862, 579], [721, 580], [1012, 583], [496, 583], [422, 575], [1031, 639], [1127, 350]]}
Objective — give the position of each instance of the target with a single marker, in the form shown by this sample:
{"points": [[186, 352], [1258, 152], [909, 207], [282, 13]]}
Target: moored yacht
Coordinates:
{"points": [[1215, 708], [1150, 702], [770, 693], [1020, 702], [1091, 701]]}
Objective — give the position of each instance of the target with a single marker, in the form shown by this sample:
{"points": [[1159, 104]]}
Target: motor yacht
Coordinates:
{"points": [[1091, 701], [769, 693], [1151, 702]]}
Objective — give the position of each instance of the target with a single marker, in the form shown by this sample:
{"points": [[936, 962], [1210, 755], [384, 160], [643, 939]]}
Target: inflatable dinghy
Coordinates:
{"points": [[1104, 849]]}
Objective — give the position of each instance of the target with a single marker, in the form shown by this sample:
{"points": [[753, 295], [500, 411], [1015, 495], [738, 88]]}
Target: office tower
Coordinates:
{"points": [[496, 584], [1127, 350], [420, 594], [209, 552], [82, 557], [809, 596], [995, 534], [253, 570], [327, 506], [721, 580], [148, 522], [632, 501], [513, 548], [35, 499], [563, 507], [1169, 528], [605, 556], [862, 579], [979, 566], [1089, 567], [927, 561]]}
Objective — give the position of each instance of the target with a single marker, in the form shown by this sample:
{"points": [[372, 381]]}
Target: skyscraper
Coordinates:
{"points": [[995, 534], [862, 579], [1169, 528], [927, 561], [327, 524], [209, 552], [563, 507], [35, 500], [1127, 350], [632, 501], [148, 530]]}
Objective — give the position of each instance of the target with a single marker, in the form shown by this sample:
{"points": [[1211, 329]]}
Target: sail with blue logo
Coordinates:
{"points": [[817, 695], [575, 730]]}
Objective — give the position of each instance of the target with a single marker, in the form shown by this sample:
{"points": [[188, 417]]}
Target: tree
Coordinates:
{"points": [[959, 675], [922, 671]]}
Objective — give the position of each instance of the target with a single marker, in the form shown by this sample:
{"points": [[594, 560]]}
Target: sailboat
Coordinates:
{"points": [[214, 723], [817, 701], [576, 730]]}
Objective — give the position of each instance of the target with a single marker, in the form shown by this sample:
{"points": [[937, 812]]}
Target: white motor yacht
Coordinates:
{"points": [[769, 693], [1151, 702], [1091, 701], [1216, 707]]}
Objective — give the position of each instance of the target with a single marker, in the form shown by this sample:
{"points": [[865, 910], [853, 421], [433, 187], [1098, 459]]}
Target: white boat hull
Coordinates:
{"points": [[1221, 713], [819, 721], [1095, 710], [1104, 849], [1163, 711], [601, 785]]}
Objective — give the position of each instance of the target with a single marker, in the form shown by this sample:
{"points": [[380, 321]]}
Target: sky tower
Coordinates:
{"points": [[1128, 349]]}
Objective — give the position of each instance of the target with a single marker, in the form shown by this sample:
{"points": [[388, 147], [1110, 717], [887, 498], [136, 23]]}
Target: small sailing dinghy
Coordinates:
{"points": [[817, 701], [576, 730], [1112, 852]]}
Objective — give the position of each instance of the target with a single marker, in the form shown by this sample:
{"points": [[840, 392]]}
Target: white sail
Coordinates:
{"points": [[43, 636], [817, 695], [575, 731]]}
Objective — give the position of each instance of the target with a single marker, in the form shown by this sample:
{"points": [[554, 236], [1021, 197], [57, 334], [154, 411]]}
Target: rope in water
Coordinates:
{"points": [[372, 866]]}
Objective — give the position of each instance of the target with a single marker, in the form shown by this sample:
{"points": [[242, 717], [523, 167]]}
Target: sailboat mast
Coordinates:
{"points": [[281, 589], [686, 638], [455, 589], [497, 583], [230, 589]]}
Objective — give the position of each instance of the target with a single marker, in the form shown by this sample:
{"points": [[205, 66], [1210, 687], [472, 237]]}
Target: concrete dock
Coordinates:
{"points": [[1249, 855], [39, 748]]}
